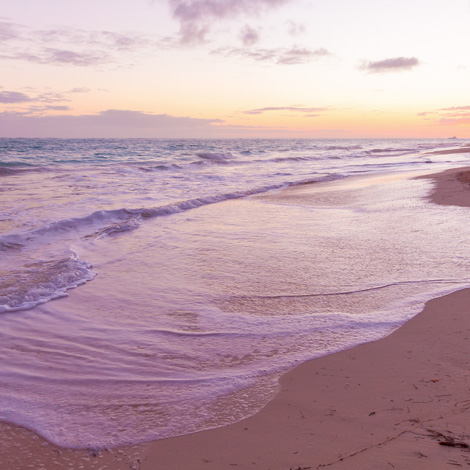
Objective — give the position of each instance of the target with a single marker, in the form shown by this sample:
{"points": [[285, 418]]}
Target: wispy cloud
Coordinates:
{"points": [[72, 46], [280, 56], [109, 123], [462, 121], [103, 39], [455, 115], [295, 109], [456, 108], [51, 56], [196, 17], [51, 97], [295, 29], [396, 64], [80, 90], [37, 110], [300, 55]]}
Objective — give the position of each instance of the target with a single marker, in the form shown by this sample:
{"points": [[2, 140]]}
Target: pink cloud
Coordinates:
{"points": [[66, 57], [455, 115], [249, 36], [72, 46], [295, 29], [195, 17], [296, 109], [456, 108], [463, 121], [396, 64], [300, 55], [10, 97], [280, 56], [194, 10], [9, 31], [36, 101], [80, 90]]}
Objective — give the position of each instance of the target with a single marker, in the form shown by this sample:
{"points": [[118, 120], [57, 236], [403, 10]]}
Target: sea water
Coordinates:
{"points": [[152, 288]]}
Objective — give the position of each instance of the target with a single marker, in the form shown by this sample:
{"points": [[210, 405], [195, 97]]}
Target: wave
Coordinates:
{"points": [[108, 222], [40, 282], [6, 170], [168, 166], [15, 164], [396, 151], [215, 157], [289, 159], [280, 160], [344, 147]]}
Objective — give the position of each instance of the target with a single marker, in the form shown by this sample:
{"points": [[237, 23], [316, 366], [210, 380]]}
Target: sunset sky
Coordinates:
{"points": [[235, 68]]}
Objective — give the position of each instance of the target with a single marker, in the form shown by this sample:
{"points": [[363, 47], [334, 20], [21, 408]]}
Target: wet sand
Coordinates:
{"points": [[401, 402], [450, 151]]}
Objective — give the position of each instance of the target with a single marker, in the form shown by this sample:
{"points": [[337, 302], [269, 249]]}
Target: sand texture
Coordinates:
{"points": [[452, 187]]}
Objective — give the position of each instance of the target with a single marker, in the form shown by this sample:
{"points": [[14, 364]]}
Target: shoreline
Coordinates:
{"points": [[379, 405], [452, 187]]}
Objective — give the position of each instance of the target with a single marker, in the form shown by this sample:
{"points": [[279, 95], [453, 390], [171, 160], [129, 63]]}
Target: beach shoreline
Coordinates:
{"points": [[390, 403]]}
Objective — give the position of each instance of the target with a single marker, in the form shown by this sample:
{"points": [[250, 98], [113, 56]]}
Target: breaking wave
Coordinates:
{"points": [[108, 222], [42, 281]]}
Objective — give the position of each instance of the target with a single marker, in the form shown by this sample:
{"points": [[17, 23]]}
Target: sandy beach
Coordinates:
{"points": [[401, 402]]}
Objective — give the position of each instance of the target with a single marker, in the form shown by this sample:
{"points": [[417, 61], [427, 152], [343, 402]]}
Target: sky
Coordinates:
{"points": [[235, 68]]}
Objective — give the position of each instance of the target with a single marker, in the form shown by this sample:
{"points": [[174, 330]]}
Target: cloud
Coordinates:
{"points": [[109, 123], [138, 119], [80, 90], [9, 31], [51, 97], [295, 29], [73, 46], [455, 115], [10, 97], [37, 101], [122, 41], [101, 39], [57, 108], [300, 55], [34, 100], [396, 64], [295, 109], [463, 121], [249, 36], [40, 110], [456, 108], [65, 57], [194, 10], [281, 56], [195, 17]]}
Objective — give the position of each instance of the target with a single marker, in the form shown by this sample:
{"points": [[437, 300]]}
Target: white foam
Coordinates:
{"points": [[42, 281]]}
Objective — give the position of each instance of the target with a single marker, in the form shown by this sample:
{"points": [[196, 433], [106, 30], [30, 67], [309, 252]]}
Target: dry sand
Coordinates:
{"points": [[452, 187], [402, 402]]}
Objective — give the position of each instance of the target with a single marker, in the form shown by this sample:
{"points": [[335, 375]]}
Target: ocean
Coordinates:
{"points": [[151, 288]]}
